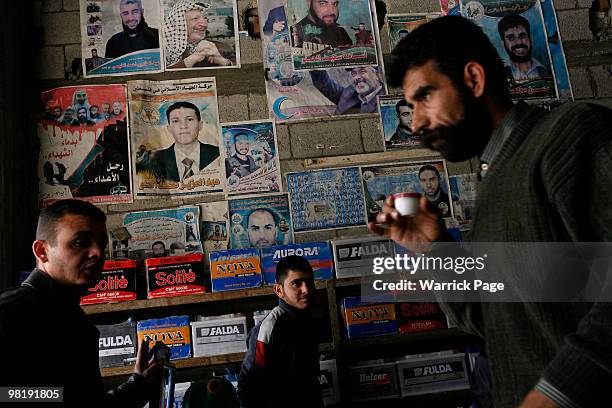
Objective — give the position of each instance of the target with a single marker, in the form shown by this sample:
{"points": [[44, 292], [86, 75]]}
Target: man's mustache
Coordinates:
{"points": [[519, 47]]}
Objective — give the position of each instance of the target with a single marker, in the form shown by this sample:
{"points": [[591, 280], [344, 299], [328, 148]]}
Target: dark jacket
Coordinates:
{"points": [[123, 43], [281, 365], [164, 161], [47, 340]]}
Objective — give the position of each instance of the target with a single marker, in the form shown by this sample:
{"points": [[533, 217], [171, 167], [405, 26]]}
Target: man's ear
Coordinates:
{"points": [[278, 290], [39, 248], [474, 78]]}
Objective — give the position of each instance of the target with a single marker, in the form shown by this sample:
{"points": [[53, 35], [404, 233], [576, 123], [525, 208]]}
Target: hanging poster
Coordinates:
{"points": [[200, 35], [516, 29], [396, 119], [214, 222], [399, 25], [120, 37], [557, 54], [325, 199], [250, 153], [158, 233], [463, 188], [259, 222], [175, 139], [331, 33], [84, 148], [428, 178]]}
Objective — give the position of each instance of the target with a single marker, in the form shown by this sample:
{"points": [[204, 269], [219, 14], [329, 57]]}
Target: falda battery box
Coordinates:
{"points": [[216, 335], [173, 331], [373, 382], [117, 344], [116, 284], [428, 375], [355, 257], [175, 276], [328, 381], [369, 316], [420, 316], [317, 253], [235, 269]]}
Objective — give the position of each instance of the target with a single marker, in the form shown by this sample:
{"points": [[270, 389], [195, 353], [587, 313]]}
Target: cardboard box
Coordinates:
{"points": [[373, 382], [117, 343], [175, 276], [217, 335], [173, 331], [235, 269], [428, 375], [355, 257], [420, 316], [365, 317], [116, 284], [328, 380], [317, 253]]}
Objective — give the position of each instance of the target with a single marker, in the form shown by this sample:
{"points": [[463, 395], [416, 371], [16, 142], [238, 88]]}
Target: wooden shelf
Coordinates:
{"points": [[405, 338]]}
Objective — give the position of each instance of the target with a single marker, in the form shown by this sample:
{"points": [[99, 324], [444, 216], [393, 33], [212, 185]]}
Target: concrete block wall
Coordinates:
{"points": [[242, 92]]}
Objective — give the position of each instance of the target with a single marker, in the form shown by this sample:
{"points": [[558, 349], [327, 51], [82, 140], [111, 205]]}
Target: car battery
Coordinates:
{"points": [[420, 316], [318, 255], [116, 284], [117, 344], [173, 331], [355, 257], [175, 276], [217, 335], [433, 374], [369, 316], [328, 381], [235, 269], [373, 382]]}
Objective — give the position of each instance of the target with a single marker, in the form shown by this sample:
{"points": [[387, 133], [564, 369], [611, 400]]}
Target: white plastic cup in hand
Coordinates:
{"points": [[406, 203]]}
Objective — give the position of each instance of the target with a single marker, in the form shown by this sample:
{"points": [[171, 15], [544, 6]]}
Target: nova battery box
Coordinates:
{"points": [[175, 276], [173, 331], [117, 343], [419, 316], [235, 269], [217, 335], [355, 257], [317, 253], [428, 375], [373, 382], [369, 316], [116, 284]]}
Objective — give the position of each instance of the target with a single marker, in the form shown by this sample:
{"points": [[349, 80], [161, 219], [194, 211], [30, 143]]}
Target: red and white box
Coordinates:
{"points": [[116, 284], [175, 276]]}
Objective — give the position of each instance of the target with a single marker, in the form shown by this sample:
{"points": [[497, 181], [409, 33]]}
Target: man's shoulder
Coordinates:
{"points": [[115, 38], [17, 301], [269, 323]]}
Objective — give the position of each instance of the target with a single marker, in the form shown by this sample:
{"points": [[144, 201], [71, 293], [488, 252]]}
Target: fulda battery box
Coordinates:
{"points": [[173, 331], [175, 276], [318, 255], [235, 269], [116, 284], [428, 375], [117, 344], [217, 335], [355, 257], [369, 316]]}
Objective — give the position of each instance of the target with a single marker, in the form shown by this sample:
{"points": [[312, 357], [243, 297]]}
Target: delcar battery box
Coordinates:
{"points": [[355, 257], [216, 335], [328, 381], [235, 269], [116, 284], [369, 316], [117, 344], [317, 253], [175, 276], [373, 382], [428, 375], [173, 331], [420, 316]]}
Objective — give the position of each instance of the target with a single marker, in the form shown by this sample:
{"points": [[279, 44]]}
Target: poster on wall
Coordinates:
{"points": [[120, 37], [331, 34], [157, 233], [450, 7], [429, 178], [200, 35], [463, 188], [326, 199], [258, 222], [400, 25], [250, 153], [214, 223], [564, 87], [516, 30], [84, 147], [175, 139], [396, 122], [294, 95]]}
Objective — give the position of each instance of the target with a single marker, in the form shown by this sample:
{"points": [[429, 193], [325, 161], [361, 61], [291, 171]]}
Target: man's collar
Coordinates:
{"points": [[41, 282], [294, 312]]}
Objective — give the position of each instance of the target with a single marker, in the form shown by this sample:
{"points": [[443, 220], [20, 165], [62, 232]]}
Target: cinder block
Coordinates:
{"points": [[332, 138], [250, 51], [574, 24], [49, 6], [61, 28], [315, 236], [258, 107], [581, 83], [70, 53], [284, 143], [565, 4], [413, 6], [71, 5], [233, 108], [51, 63], [288, 166], [371, 135], [584, 3], [603, 80]]}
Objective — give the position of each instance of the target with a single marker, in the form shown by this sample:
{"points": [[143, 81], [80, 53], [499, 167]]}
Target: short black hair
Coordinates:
{"points": [[432, 41], [399, 104], [157, 243], [430, 168], [50, 216], [511, 21], [183, 104], [292, 263]]}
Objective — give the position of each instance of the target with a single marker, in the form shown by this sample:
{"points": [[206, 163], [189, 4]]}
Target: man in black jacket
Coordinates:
{"points": [[136, 34], [281, 365], [45, 337]]}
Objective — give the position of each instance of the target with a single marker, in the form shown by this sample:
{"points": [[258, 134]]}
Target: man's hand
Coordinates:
{"points": [[413, 232], [145, 367], [535, 399], [204, 50]]}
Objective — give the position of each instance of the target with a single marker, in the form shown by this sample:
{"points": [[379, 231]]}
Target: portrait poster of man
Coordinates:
{"points": [[516, 29], [250, 153], [463, 188], [214, 223], [157, 233], [255, 222], [331, 33], [399, 25], [120, 37], [557, 54], [428, 178], [326, 199], [200, 34], [395, 120], [84, 147], [175, 138]]}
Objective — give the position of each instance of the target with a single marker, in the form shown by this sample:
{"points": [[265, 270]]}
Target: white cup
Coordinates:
{"points": [[407, 203]]}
